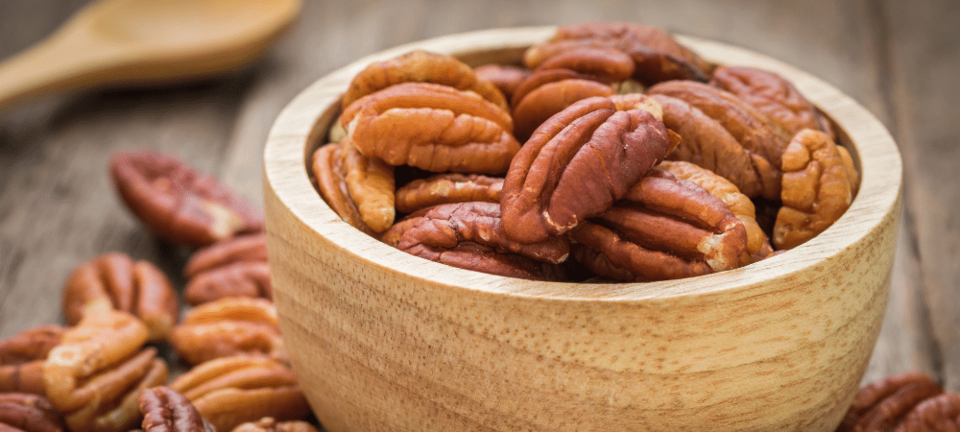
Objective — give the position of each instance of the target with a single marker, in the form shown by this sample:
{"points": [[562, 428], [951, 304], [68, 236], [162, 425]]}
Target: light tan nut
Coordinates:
{"points": [[231, 268], [165, 410], [23, 412], [227, 327], [448, 189], [22, 356], [505, 77]]}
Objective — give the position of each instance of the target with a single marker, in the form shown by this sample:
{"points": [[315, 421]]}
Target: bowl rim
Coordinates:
{"points": [[300, 125]]}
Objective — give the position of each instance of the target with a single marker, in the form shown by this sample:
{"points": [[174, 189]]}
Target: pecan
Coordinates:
{"points": [[331, 181], [269, 424], [178, 203], [739, 204], [421, 66], [114, 281], [657, 56], [234, 390], [664, 228], [235, 267], [226, 327], [772, 95], [882, 405], [22, 412], [360, 187], [22, 356], [165, 410], [506, 78], [447, 189], [433, 127], [576, 165], [97, 372], [940, 413], [817, 189]]}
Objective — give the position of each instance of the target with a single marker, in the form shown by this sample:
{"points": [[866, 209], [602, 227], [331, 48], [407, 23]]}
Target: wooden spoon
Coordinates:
{"points": [[145, 41]]}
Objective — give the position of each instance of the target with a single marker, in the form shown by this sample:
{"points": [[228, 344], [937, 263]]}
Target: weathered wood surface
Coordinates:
{"points": [[57, 207]]}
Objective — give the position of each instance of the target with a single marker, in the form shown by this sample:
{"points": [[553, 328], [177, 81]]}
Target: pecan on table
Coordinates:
{"points": [[226, 327], [937, 414], [505, 77], [115, 281], [576, 165], [470, 236], [818, 187], [772, 95], [882, 405], [447, 189], [233, 390], [165, 410], [22, 356], [178, 203], [663, 228], [358, 188], [269, 424], [97, 372], [24, 412], [232, 268], [433, 127], [424, 67], [657, 56]]}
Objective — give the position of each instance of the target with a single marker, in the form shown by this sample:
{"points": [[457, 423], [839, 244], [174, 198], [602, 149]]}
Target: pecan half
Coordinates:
{"points": [[882, 405], [22, 412], [22, 356], [178, 203], [331, 181], [226, 327], [269, 424], [425, 67], [165, 410], [576, 165], [234, 390], [359, 188], [232, 268], [937, 414], [817, 189], [433, 127], [97, 372], [115, 281], [664, 228], [506, 78], [727, 192], [772, 95], [447, 189]]}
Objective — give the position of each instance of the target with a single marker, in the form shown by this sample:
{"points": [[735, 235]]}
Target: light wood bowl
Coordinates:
{"points": [[385, 341]]}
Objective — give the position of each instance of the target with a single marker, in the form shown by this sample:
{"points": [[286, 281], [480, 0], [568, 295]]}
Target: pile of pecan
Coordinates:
{"points": [[104, 371], [613, 145]]}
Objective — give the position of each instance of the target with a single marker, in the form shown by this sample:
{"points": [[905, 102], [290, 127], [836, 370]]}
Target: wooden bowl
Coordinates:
{"points": [[385, 341]]}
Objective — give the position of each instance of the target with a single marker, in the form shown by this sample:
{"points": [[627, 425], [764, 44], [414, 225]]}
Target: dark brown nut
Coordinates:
{"points": [[664, 228], [576, 165], [606, 65], [656, 55], [425, 67], [882, 405], [234, 390], [725, 191], [178, 203], [447, 189], [231, 268], [816, 189], [536, 105], [506, 78], [165, 410], [227, 327], [115, 281], [432, 127], [97, 372], [22, 356], [23, 412], [937, 414], [392, 235], [359, 188], [772, 95], [269, 424]]}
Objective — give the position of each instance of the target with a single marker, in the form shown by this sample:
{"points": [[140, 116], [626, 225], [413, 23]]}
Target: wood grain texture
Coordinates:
{"points": [[382, 340]]}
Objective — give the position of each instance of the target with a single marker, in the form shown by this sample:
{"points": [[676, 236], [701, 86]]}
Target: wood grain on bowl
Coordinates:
{"points": [[382, 340]]}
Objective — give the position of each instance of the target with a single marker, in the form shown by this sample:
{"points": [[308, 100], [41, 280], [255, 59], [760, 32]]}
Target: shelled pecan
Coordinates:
{"points": [[230, 391], [178, 203], [331, 181], [165, 410], [24, 412], [269, 424], [22, 356], [226, 327], [577, 164], [97, 372], [883, 405], [505, 77], [939, 413], [115, 281], [447, 189], [231, 268]]}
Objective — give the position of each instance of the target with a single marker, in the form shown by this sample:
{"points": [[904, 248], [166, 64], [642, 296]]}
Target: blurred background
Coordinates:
{"points": [[901, 60]]}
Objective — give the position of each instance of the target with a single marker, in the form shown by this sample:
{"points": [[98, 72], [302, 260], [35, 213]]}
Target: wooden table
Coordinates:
{"points": [[58, 208]]}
